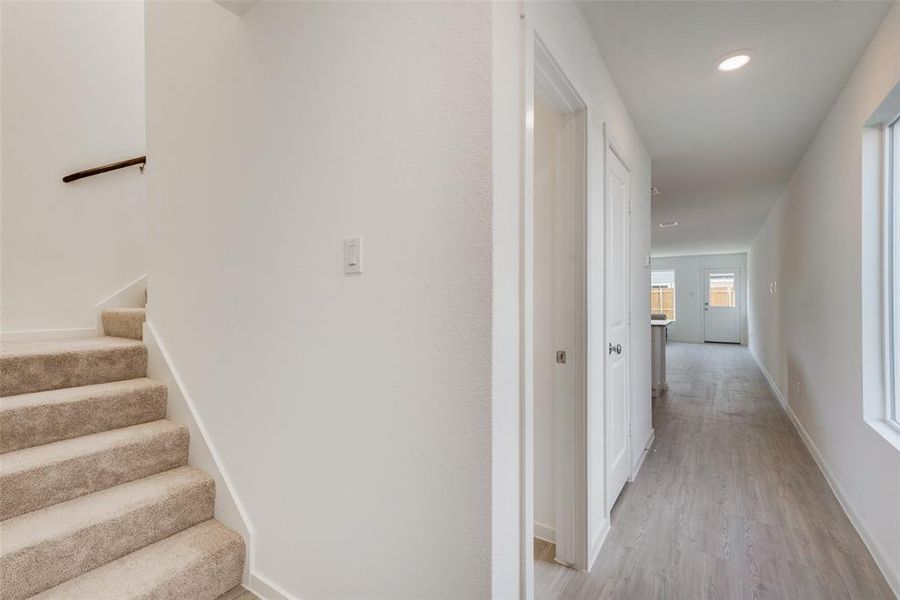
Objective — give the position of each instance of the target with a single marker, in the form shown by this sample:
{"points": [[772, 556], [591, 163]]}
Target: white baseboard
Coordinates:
{"points": [[891, 575], [201, 452], [47, 334], [640, 462], [545, 532], [597, 543], [773, 386], [267, 590]]}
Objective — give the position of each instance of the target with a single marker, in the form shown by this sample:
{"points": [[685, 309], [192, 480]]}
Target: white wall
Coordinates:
{"points": [[810, 333], [546, 130], [353, 414], [690, 291], [508, 418], [72, 98]]}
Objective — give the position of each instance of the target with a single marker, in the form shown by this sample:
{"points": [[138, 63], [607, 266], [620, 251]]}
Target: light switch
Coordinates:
{"points": [[353, 255]]}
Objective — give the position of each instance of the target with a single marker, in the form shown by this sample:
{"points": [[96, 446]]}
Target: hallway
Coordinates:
{"points": [[728, 504]]}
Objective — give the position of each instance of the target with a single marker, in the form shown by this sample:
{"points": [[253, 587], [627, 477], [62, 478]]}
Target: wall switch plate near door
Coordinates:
{"points": [[353, 255]]}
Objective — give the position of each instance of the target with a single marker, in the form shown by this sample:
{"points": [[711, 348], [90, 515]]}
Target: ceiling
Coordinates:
{"points": [[725, 144]]}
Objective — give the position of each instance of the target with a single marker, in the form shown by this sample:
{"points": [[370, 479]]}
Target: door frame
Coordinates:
{"points": [[611, 146], [738, 298], [541, 69]]}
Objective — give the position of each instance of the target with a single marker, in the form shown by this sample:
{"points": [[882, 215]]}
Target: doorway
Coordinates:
{"points": [[722, 305], [555, 312]]}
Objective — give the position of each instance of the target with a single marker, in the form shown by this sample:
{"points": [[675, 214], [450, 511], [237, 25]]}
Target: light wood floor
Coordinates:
{"points": [[238, 593], [729, 503]]}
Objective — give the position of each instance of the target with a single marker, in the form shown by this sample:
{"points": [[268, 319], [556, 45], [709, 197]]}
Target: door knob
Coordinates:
{"points": [[618, 348], [611, 348]]}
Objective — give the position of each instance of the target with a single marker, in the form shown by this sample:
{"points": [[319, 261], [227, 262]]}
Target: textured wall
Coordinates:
{"points": [[353, 414], [72, 98]]}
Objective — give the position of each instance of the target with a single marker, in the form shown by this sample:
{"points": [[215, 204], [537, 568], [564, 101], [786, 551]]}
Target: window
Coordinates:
{"points": [[721, 290], [662, 293], [880, 269], [892, 200]]}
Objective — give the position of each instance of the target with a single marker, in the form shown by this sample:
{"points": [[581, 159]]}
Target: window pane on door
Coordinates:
{"points": [[721, 290]]}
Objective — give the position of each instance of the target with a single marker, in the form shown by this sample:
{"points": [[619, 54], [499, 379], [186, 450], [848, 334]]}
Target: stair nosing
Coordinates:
{"points": [[132, 433], [148, 553], [99, 343], [75, 514], [68, 395]]}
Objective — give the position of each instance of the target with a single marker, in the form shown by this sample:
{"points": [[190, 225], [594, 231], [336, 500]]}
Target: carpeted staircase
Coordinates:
{"points": [[97, 501]]}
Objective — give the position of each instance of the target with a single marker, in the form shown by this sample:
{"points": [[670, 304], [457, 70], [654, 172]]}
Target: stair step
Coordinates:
{"points": [[43, 475], [124, 322], [50, 546], [37, 418], [200, 563], [53, 364]]}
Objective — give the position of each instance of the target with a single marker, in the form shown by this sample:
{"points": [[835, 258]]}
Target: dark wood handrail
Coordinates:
{"points": [[140, 160]]}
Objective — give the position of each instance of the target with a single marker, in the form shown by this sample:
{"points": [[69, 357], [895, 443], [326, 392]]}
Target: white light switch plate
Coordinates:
{"points": [[353, 255]]}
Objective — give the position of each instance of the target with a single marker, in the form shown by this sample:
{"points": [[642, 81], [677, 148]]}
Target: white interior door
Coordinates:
{"points": [[722, 306], [617, 326]]}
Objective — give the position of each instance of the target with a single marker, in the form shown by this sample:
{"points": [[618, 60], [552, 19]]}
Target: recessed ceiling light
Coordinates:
{"points": [[669, 224], [734, 60]]}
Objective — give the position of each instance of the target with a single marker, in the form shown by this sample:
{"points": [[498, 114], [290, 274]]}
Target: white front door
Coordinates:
{"points": [[617, 399], [722, 306]]}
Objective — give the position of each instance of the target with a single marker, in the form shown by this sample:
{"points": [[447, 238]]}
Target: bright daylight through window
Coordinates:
{"points": [[721, 290], [892, 188], [662, 293]]}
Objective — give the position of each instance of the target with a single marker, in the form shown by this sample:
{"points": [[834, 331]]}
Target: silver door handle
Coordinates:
{"points": [[618, 348], [611, 348]]}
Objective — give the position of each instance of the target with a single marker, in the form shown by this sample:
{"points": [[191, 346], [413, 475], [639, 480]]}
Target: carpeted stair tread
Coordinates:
{"points": [[36, 366], [47, 547], [36, 477], [200, 563], [124, 322], [42, 417]]}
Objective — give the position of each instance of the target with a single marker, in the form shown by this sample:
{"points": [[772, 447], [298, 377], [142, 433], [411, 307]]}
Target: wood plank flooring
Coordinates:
{"points": [[239, 593], [729, 503]]}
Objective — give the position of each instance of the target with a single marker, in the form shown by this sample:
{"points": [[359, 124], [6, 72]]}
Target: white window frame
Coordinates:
{"points": [[891, 208], [673, 287], [880, 260]]}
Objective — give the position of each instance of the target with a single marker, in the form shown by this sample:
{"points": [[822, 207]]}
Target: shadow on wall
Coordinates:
{"points": [[796, 386]]}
